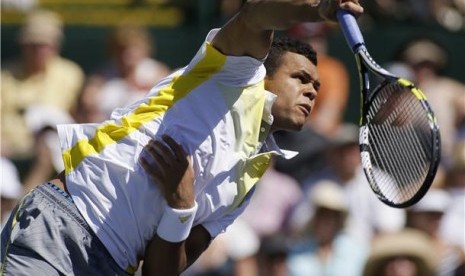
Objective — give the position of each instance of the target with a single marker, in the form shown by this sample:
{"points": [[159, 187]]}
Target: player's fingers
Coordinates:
{"points": [[160, 153], [151, 170], [177, 149], [352, 6], [328, 8]]}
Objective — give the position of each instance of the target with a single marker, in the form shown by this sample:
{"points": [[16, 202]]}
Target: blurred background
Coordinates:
{"points": [[179, 26], [69, 61]]}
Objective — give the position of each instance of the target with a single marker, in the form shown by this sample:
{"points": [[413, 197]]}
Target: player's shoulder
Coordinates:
{"points": [[211, 63]]}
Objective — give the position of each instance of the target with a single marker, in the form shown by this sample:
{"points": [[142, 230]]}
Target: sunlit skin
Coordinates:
{"points": [[296, 83], [400, 266], [36, 56]]}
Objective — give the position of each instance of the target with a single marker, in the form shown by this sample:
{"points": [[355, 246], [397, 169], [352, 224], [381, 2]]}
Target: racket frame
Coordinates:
{"points": [[366, 65]]}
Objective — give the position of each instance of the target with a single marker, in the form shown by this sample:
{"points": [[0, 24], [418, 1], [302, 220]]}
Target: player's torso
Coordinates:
{"points": [[222, 138]]}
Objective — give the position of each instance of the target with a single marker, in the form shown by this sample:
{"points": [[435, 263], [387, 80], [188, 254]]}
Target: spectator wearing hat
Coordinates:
{"points": [[426, 216], [446, 96], [325, 248], [406, 253], [39, 76], [367, 215]]}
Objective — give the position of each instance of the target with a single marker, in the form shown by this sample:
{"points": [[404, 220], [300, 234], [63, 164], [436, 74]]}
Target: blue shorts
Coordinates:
{"points": [[46, 235]]}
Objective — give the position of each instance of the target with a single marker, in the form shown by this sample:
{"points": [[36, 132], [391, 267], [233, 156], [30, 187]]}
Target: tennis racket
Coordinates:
{"points": [[399, 136]]}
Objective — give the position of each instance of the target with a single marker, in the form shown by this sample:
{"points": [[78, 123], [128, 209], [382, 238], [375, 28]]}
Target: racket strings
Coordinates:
{"points": [[399, 167], [399, 142], [403, 169]]}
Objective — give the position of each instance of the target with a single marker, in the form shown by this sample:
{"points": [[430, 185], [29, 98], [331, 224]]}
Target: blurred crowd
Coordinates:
{"points": [[450, 14], [314, 215]]}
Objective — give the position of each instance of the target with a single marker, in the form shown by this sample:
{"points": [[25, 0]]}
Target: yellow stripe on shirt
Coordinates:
{"points": [[179, 87]]}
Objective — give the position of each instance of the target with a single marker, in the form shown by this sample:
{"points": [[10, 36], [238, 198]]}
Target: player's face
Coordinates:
{"points": [[296, 83]]}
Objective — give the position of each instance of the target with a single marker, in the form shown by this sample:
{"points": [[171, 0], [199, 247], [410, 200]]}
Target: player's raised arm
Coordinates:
{"points": [[250, 32]]}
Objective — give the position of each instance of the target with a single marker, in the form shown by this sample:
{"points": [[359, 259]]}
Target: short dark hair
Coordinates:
{"points": [[284, 44]]}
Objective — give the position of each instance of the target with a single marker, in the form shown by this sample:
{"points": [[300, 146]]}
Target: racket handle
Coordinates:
{"points": [[350, 29]]}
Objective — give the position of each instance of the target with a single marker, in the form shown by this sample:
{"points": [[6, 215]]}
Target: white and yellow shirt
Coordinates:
{"points": [[217, 108]]}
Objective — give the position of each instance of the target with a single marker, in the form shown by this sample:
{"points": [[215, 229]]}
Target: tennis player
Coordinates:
{"points": [[167, 174]]}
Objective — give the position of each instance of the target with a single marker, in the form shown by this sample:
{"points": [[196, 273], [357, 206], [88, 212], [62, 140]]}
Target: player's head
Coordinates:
{"points": [[293, 77]]}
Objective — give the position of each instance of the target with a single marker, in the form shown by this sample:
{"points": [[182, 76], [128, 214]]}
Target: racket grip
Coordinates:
{"points": [[350, 29]]}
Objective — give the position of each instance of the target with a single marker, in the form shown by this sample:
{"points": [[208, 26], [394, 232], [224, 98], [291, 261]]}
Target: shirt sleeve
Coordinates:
{"points": [[236, 71]]}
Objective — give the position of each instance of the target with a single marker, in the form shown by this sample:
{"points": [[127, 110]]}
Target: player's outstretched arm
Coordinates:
{"points": [[176, 245], [250, 32]]}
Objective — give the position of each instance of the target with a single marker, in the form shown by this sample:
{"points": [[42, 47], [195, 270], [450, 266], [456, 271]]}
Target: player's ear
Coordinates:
{"points": [[268, 80]]}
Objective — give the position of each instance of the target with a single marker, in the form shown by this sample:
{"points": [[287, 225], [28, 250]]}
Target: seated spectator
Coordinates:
{"points": [[325, 249], [406, 253], [426, 216], [272, 255], [275, 197], [42, 121], [428, 59], [130, 73], [367, 215], [39, 77]]}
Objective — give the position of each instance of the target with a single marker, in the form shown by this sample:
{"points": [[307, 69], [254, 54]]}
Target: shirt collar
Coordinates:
{"points": [[270, 143], [270, 98], [271, 146]]}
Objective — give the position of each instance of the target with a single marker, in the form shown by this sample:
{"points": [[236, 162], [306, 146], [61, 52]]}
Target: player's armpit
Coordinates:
{"points": [[166, 258]]}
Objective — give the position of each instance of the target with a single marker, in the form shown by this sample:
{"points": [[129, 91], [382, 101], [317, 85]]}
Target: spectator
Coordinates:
{"points": [[366, 214], [326, 249], [428, 59], [406, 253], [42, 121], [274, 198], [272, 255], [40, 76], [426, 216], [129, 75]]}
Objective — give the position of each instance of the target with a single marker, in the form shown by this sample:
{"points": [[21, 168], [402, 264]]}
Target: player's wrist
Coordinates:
{"points": [[181, 201], [175, 224]]}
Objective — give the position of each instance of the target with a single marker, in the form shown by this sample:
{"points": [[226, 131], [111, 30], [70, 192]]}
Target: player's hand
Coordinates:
{"points": [[172, 171], [328, 8]]}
